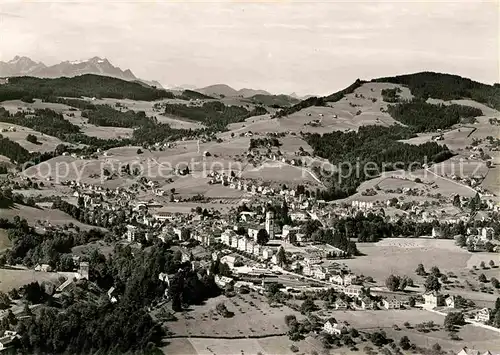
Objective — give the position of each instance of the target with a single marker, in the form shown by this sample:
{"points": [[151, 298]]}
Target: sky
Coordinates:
{"points": [[281, 46]]}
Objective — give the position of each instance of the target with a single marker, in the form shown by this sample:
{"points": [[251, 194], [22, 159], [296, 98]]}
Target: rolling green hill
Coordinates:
{"points": [[447, 87], [27, 88]]}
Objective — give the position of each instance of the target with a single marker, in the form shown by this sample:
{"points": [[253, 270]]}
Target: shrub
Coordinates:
{"points": [[32, 139]]}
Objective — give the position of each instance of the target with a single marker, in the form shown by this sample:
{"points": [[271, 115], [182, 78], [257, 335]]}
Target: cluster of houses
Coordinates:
{"points": [[478, 238], [434, 299], [247, 244]]}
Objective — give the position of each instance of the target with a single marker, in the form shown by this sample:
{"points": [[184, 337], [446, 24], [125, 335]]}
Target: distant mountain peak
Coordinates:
{"points": [[20, 66]]}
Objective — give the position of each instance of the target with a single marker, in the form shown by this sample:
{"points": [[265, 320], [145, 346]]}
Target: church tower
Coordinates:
{"points": [[270, 224]]}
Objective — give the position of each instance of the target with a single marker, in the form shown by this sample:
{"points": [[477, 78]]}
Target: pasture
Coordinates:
{"points": [[45, 143], [400, 256], [33, 216], [385, 319], [147, 107], [15, 278], [252, 316], [273, 345]]}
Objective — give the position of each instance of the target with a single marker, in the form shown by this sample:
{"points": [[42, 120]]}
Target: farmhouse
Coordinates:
{"points": [[433, 299], [332, 327], [43, 268], [483, 315], [450, 302], [391, 303], [340, 304]]}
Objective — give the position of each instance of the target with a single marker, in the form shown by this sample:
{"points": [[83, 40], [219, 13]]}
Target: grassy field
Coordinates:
{"points": [[252, 316], [268, 346], [10, 278], [147, 107], [368, 102], [32, 215], [385, 319], [46, 143], [4, 240], [402, 255]]}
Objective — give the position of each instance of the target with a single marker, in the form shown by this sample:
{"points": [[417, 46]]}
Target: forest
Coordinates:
{"points": [[85, 85], [13, 150], [44, 121], [194, 95], [274, 100], [104, 115], [425, 117], [447, 87], [30, 248], [391, 95], [374, 149], [213, 114], [83, 320]]}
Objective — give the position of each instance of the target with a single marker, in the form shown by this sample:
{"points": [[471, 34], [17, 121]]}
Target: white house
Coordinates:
{"points": [[433, 299], [450, 302], [340, 305], [267, 253], [332, 327], [242, 244], [352, 290], [222, 281], [483, 315], [43, 268], [391, 303]]}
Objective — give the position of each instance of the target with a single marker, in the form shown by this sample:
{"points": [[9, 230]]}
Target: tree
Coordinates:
{"points": [[406, 282], [452, 320], [404, 343], [32, 138], [262, 237], [281, 256], [444, 278], [492, 264], [461, 241], [308, 306], [435, 271], [482, 265], [482, 278], [290, 319], [393, 282], [436, 348], [456, 201], [432, 283], [4, 300], [496, 320], [494, 282], [420, 270]]}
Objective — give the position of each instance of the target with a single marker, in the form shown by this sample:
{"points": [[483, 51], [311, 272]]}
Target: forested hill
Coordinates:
{"points": [[27, 88], [447, 87], [320, 101]]}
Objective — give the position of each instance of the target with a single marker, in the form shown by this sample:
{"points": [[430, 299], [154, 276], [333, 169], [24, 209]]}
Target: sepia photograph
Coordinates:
{"points": [[260, 177]]}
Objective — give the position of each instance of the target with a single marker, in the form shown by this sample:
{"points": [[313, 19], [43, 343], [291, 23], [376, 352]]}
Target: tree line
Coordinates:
{"points": [[426, 117], [214, 113], [88, 85], [426, 85]]}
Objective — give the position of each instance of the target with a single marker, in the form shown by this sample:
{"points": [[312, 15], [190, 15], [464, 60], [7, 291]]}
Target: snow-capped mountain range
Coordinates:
{"points": [[24, 66]]}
